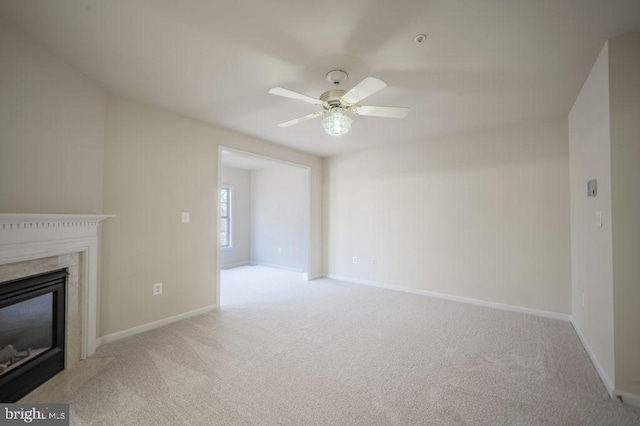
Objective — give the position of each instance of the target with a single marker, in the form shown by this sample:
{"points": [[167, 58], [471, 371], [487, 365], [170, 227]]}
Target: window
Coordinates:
{"points": [[225, 216]]}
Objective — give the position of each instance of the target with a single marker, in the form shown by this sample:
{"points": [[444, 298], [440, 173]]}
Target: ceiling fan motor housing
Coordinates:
{"points": [[332, 98]]}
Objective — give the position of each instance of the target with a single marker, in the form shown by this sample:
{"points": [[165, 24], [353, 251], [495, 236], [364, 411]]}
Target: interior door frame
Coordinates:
{"points": [[306, 209]]}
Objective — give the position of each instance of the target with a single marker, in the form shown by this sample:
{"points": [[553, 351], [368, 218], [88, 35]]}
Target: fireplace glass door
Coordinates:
{"points": [[32, 313], [27, 331]]}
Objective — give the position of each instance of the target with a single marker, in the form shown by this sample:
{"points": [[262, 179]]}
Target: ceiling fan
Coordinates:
{"points": [[337, 103]]}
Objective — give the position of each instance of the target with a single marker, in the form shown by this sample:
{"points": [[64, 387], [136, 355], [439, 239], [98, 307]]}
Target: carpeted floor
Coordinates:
{"points": [[284, 351]]}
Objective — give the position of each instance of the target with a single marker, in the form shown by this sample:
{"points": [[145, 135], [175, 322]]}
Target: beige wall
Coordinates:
{"points": [[157, 165], [484, 216], [604, 129], [624, 72], [278, 199], [591, 246], [240, 251], [51, 132]]}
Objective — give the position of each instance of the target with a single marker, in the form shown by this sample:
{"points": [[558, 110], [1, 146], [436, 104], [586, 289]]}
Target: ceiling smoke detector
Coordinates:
{"points": [[420, 38]]}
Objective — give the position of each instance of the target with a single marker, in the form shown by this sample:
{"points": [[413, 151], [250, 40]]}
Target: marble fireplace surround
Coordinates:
{"points": [[36, 243]]}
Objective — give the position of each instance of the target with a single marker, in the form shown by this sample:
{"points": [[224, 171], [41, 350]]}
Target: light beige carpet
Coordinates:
{"points": [[283, 351]]}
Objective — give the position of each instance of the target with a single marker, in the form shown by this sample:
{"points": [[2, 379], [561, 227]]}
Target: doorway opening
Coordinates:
{"points": [[263, 223]]}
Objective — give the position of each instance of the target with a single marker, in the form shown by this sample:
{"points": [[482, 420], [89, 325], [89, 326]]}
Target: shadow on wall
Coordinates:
{"points": [[512, 147]]}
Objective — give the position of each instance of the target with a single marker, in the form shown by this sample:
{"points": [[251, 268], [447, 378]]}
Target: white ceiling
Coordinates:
{"points": [[486, 63]]}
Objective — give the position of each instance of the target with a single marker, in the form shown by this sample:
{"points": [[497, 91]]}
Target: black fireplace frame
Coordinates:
{"points": [[25, 378]]}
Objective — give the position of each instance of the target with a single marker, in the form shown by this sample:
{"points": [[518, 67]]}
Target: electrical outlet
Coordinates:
{"points": [[375, 262], [157, 289], [355, 259]]}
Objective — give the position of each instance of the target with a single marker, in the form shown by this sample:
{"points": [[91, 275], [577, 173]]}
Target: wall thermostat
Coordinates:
{"points": [[592, 188]]}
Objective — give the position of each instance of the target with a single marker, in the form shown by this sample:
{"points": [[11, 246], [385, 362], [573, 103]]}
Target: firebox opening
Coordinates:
{"points": [[32, 332]]}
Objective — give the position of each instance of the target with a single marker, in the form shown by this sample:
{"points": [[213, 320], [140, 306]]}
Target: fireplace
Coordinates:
{"points": [[32, 336], [35, 244]]}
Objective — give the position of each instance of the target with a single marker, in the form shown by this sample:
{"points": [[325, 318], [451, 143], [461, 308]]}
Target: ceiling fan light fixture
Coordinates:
{"points": [[337, 122], [338, 105]]}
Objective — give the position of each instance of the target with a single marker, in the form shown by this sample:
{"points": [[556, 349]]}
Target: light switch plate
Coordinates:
{"points": [[185, 217]]}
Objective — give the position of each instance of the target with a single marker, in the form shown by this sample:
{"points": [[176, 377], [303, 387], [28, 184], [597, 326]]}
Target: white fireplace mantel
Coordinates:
{"points": [[34, 236]]}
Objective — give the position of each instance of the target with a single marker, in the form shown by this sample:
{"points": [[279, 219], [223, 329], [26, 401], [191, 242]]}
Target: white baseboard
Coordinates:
{"points": [[273, 265], [627, 398], [606, 380], [151, 325], [234, 265], [469, 300], [305, 275]]}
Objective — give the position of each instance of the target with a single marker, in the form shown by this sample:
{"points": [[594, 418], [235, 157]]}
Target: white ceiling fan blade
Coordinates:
{"points": [[299, 119], [364, 89], [381, 111], [286, 93]]}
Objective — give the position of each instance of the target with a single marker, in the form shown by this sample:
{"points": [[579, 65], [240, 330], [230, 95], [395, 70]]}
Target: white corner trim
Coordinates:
{"points": [[606, 380], [469, 300], [152, 325], [306, 276], [627, 398]]}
